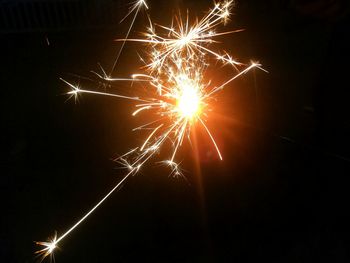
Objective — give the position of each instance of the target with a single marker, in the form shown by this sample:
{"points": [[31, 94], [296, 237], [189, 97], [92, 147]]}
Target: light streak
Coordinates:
{"points": [[76, 90], [50, 246], [137, 6], [174, 74]]}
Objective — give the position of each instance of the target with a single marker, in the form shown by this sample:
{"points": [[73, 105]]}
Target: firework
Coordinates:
{"points": [[174, 72]]}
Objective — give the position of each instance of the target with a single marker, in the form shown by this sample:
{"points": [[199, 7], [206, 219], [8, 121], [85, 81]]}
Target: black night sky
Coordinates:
{"points": [[281, 193]]}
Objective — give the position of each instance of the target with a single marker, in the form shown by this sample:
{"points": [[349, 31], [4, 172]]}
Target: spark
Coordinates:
{"points": [[48, 249], [137, 6], [50, 246], [176, 92]]}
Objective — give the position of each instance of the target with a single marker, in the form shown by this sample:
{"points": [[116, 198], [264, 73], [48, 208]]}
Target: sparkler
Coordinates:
{"points": [[174, 71]]}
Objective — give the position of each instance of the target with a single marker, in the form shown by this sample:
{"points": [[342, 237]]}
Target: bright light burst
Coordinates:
{"points": [[189, 100], [48, 249], [173, 72]]}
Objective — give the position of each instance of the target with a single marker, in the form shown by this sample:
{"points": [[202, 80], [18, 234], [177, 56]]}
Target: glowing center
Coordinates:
{"points": [[51, 247], [189, 102], [184, 41]]}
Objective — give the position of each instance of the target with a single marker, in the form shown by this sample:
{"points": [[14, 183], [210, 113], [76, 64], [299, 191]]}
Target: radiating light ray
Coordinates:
{"points": [[96, 206], [49, 247], [176, 91], [212, 138], [141, 109], [106, 78], [76, 90], [189, 38], [137, 6], [179, 139], [253, 65], [150, 136]]}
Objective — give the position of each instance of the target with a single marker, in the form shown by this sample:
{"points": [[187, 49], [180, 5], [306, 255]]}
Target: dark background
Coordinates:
{"points": [[281, 193]]}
